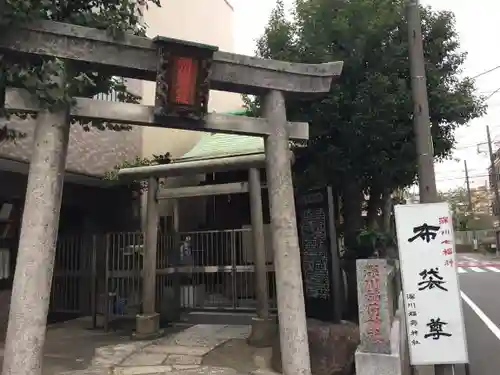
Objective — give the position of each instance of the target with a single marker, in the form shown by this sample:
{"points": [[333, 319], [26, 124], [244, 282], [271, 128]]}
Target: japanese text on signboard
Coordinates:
{"points": [[430, 285]]}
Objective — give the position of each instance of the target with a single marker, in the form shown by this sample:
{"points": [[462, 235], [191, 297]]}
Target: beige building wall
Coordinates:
{"points": [[203, 21]]}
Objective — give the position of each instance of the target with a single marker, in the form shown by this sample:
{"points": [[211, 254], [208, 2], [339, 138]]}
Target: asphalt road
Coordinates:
{"points": [[480, 285]]}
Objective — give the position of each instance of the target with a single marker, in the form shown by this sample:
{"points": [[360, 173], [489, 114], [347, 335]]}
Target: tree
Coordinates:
{"points": [[466, 218], [141, 185], [116, 16], [458, 202], [361, 133]]}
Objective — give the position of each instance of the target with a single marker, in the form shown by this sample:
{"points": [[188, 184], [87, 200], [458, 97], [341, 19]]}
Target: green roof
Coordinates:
{"points": [[219, 145], [239, 112]]}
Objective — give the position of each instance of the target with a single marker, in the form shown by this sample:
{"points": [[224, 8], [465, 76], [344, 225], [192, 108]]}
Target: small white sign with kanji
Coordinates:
{"points": [[433, 306]]}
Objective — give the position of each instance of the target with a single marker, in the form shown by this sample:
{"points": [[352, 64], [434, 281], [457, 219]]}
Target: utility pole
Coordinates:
{"points": [[421, 122], [494, 182], [470, 208], [422, 126]]}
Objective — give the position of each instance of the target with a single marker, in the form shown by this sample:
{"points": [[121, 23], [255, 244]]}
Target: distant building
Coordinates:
{"points": [[481, 200], [494, 174]]}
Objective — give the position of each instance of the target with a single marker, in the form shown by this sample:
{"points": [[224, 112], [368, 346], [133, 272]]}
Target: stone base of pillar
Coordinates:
{"points": [[263, 332], [147, 327]]}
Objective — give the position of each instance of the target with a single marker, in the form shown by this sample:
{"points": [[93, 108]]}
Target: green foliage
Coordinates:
{"points": [[138, 162], [372, 243], [458, 202], [118, 17], [138, 186], [466, 218], [7, 134], [363, 129]]}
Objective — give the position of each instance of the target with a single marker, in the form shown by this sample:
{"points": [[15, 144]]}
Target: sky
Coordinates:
{"points": [[477, 26]]}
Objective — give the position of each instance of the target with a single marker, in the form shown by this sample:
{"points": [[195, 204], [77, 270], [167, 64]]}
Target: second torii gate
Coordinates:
{"points": [[263, 327]]}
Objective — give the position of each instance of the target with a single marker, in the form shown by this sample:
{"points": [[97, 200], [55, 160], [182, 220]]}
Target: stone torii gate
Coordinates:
{"points": [[263, 327], [137, 57]]}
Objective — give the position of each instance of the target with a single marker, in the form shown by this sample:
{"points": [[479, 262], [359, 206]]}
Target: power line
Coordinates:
{"points": [[462, 177], [486, 72], [477, 171], [493, 93], [469, 146], [479, 143]]}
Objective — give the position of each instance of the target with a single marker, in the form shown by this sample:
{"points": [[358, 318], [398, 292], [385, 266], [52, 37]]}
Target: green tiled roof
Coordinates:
{"points": [[218, 145]]}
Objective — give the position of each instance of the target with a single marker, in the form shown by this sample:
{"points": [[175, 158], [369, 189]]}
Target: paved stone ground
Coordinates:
{"points": [[199, 350], [72, 345], [72, 348]]}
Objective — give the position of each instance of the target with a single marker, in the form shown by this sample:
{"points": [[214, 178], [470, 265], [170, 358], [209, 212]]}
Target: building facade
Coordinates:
{"points": [[92, 153], [494, 174], [481, 200], [91, 204], [187, 20]]}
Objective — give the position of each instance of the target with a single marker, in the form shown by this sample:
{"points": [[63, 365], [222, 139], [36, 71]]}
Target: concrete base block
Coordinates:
{"points": [[377, 363], [263, 332], [192, 295], [100, 320], [147, 327]]}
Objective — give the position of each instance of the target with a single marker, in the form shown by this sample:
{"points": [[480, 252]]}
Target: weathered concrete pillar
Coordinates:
{"points": [[148, 323], [383, 345], [263, 328], [291, 309], [376, 305], [176, 257], [37, 244]]}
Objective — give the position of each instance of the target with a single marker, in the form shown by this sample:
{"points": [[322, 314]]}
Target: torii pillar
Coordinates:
{"points": [[263, 326], [287, 264]]}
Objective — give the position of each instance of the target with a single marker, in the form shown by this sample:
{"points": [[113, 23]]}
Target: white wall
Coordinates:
{"points": [[202, 21]]}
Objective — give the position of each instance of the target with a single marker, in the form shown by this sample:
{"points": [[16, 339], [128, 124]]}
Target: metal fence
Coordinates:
{"points": [[216, 270], [118, 290], [71, 283], [210, 270], [482, 236]]}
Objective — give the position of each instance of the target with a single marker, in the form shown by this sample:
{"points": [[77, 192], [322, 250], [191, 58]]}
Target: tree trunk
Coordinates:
{"points": [[386, 210], [352, 198], [374, 206]]}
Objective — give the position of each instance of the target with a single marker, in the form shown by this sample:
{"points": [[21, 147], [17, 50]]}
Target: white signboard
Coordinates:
{"points": [[433, 307]]}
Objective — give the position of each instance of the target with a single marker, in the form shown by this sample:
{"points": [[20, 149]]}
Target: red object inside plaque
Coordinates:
{"points": [[185, 73]]}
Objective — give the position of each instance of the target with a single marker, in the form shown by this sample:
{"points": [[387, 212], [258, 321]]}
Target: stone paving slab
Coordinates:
{"points": [[209, 335], [264, 372], [180, 359], [174, 370], [140, 370], [179, 354], [206, 370], [145, 359], [113, 354], [178, 349]]}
